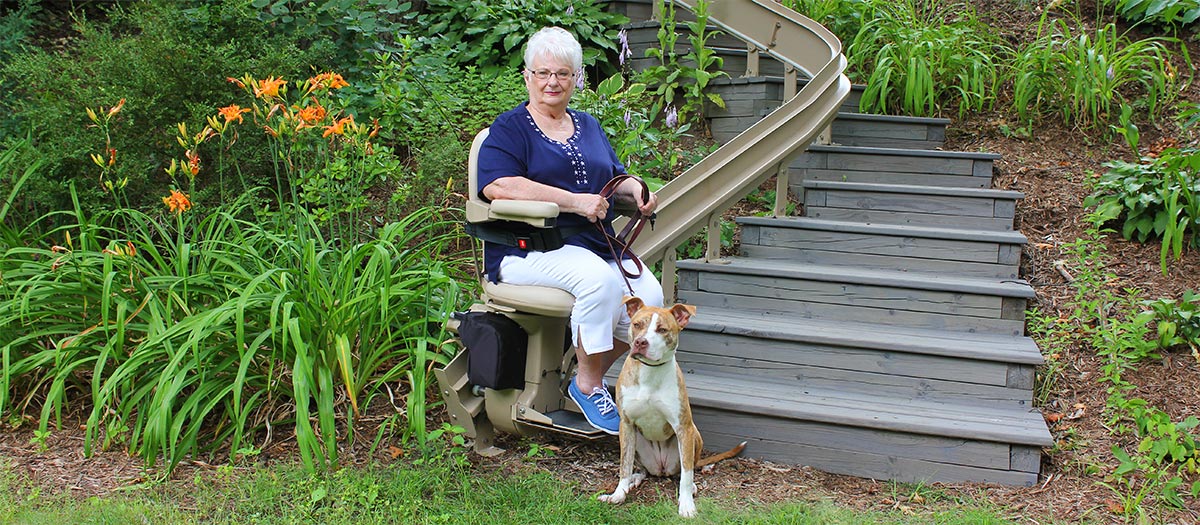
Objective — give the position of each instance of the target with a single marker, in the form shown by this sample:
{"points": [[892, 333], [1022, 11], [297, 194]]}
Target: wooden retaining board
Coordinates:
{"points": [[986, 252], [851, 158], [1011, 350], [881, 262], [910, 219], [859, 197], [798, 175], [700, 358], [782, 309], [860, 452], [763, 396], [911, 301]]}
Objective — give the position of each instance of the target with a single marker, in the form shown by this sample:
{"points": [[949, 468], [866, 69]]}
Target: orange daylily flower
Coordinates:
{"points": [[338, 127], [233, 112], [310, 115], [269, 87], [121, 251], [177, 202], [117, 108], [193, 159], [328, 80]]}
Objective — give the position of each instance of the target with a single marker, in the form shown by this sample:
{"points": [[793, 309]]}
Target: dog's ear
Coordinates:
{"points": [[683, 313], [633, 304]]}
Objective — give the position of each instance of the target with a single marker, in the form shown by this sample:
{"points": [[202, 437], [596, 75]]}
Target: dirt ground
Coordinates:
{"points": [[1050, 167]]}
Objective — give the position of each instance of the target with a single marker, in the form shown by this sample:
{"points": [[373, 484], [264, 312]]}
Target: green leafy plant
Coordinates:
{"points": [[168, 68], [423, 99], [1178, 321], [642, 141], [1173, 12], [1156, 198], [490, 34], [1111, 323], [678, 82], [1083, 75], [843, 17], [920, 56], [227, 328]]}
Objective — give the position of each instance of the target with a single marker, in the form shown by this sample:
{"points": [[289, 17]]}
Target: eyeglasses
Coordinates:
{"points": [[544, 74]]}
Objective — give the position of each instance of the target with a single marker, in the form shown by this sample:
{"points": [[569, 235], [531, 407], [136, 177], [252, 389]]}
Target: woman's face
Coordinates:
{"points": [[555, 90]]}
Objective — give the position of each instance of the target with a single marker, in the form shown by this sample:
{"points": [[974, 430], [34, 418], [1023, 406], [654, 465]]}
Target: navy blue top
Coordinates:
{"points": [[516, 147]]}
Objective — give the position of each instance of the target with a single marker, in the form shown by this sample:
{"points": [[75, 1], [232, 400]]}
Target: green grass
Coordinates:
{"points": [[442, 490]]}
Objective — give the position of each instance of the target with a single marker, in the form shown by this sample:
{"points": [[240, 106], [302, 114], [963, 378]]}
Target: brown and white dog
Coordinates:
{"points": [[657, 432]]}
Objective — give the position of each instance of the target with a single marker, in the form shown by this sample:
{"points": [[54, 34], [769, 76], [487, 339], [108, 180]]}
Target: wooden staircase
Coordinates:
{"points": [[880, 333]]}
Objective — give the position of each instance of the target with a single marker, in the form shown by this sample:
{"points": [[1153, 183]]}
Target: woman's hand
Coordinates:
{"points": [[590, 205], [633, 189]]}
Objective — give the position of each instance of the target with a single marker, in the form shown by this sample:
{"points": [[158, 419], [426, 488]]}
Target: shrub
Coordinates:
{"points": [[490, 35], [920, 56], [16, 26], [1156, 198], [169, 69], [424, 98], [1172, 12], [191, 332], [843, 17], [685, 76], [1084, 76], [1178, 321]]}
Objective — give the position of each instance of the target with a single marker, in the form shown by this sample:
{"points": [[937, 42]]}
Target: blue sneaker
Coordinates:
{"points": [[598, 408]]}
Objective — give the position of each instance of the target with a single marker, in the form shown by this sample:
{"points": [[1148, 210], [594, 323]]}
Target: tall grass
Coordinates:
{"points": [[185, 334], [1083, 76], [920, 56]]}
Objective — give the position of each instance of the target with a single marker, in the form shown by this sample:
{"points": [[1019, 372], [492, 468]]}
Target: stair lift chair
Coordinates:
{"points": [[544, 313]]}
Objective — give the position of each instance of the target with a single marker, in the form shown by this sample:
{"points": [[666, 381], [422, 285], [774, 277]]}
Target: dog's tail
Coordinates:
{"points": [[704, 462]]}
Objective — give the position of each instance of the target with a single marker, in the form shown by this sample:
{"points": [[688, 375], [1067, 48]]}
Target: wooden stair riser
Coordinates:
{"points": [[876, 251], [897, 168], [879, 372], [869, 453], [932, 309], [914, 209]]}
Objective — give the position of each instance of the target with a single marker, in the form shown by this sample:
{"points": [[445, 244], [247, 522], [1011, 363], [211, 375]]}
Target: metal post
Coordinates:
{"points": [[781, 189], [668, 276], [712, 249], [789, 82], [751, 60]]}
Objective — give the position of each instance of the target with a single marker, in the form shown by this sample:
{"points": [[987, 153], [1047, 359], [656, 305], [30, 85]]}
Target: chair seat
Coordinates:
{"points": [[541, 300]]}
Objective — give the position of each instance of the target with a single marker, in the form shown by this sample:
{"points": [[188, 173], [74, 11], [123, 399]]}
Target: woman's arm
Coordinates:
{"points": [[588, 205], [632, 189]]}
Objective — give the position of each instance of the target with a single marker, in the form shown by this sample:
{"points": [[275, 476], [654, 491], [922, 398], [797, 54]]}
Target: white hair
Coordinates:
{"points": [[556, 42]]}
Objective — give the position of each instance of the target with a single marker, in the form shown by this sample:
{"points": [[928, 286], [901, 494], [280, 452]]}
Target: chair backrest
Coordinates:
{"points": [[473, 164], [535, 213]]}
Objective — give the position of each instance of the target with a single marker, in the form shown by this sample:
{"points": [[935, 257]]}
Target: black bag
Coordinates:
{"points": [[496, 349]]}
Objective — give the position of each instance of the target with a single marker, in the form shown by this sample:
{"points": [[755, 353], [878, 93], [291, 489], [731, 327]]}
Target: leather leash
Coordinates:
{"points": [[629, 232]]}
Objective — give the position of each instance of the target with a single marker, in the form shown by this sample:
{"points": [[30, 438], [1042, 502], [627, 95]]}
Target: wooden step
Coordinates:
{"points": [[784, 290], [748, 99], [918, 250], [837, 431], [968, 208], [892, 166], [958, 368]]}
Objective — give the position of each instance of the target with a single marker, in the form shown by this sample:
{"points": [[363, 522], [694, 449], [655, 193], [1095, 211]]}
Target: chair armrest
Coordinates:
{"points": [[535, 213]]}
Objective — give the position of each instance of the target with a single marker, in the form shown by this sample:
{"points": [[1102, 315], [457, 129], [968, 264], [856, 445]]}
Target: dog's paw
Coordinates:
{"points": [[687, 509], [615, 498], [636, 479]]}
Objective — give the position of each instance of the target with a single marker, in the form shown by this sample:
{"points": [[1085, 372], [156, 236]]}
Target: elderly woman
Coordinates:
{"points": [[542, 150]]}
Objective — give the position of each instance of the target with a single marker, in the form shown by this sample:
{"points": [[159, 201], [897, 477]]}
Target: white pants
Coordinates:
{"points": [[598, 316]]}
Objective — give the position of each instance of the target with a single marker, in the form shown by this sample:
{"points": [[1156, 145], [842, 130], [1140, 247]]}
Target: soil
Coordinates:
{"points": [[1051, 167]]}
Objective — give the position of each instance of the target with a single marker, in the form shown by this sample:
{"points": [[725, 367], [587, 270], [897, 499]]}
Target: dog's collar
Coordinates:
{"points": [[639, 359]]}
